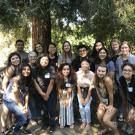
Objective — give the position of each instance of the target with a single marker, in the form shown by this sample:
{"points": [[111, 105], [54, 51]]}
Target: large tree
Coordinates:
{"points": [[100, 18]]}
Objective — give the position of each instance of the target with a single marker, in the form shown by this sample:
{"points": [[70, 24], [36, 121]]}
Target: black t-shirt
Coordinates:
{"points": [[53, 62], [128, 89], [44, 77]]}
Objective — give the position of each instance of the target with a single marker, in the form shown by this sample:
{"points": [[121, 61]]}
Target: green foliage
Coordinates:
{"points": [[100, 19]]}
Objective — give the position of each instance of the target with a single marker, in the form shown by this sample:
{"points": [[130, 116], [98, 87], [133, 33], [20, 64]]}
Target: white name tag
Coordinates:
{"points": [[47, 75], [130, 89], [68, 85]]}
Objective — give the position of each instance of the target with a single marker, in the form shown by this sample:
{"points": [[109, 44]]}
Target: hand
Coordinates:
{"points": [[111, 109], [102, 106], [25, 110], [42, 94], [86, 101], [82, 101], [46, 96]]}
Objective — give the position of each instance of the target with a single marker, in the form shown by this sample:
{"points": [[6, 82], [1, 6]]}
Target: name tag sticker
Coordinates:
{"points": [[68, 85], [130, 89], [47, 75]]}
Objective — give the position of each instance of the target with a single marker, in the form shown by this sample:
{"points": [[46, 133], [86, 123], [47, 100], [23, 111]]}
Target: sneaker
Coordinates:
{"points": [[130, 130], [52, 129], [26, 131], [72, 126]]}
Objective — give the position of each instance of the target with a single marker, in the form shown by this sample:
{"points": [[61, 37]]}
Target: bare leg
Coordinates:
{"points": [[100, 114], [109, 114], [4, 117]]}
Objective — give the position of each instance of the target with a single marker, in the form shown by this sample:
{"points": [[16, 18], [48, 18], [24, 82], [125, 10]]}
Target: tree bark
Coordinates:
{"points": [[41, 32]]}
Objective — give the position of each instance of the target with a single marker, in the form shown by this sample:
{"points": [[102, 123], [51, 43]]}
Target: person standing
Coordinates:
{"points": [[67, 55], [66, 82], [20, 50], [45, 85]]}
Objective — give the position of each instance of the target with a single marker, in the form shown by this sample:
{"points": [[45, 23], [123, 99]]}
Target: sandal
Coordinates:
{"points": [[83, 125], [72, 126]]}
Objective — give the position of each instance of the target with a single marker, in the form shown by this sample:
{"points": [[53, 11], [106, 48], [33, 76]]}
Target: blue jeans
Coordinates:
{"points": [[21, 118], [35, 106], [85, 111]]}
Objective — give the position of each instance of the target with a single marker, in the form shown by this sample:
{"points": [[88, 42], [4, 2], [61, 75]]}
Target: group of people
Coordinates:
{"points": [[44, 86]]}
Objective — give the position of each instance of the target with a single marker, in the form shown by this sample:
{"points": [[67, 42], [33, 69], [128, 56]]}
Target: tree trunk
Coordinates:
{"points": [[41, 32]]}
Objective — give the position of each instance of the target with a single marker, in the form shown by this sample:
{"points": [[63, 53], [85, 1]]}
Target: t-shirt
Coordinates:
{"points": [[120, 62], [44, 77], [128, 89], [84, 81]]}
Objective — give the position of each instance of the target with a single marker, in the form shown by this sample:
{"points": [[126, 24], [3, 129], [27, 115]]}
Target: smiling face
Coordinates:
{"points": [[85, 66], [98, 45], [52, 49], [39, 48], [101, 72], [15, 60], [83, 52], [66, 70], [102, 54], [32, 57], [115, 46], [127, 72], [125, 49], [20, 46], [66, 47], [26, 71], [44, 61]]}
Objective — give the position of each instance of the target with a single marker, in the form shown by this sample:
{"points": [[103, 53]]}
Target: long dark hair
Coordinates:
{"points": [[25, 82], [56, 56], [98, 60], [10, 70], [94, 51], [10, 56], [60, 77], [39, 67], [35, 48], [22, 67]]}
